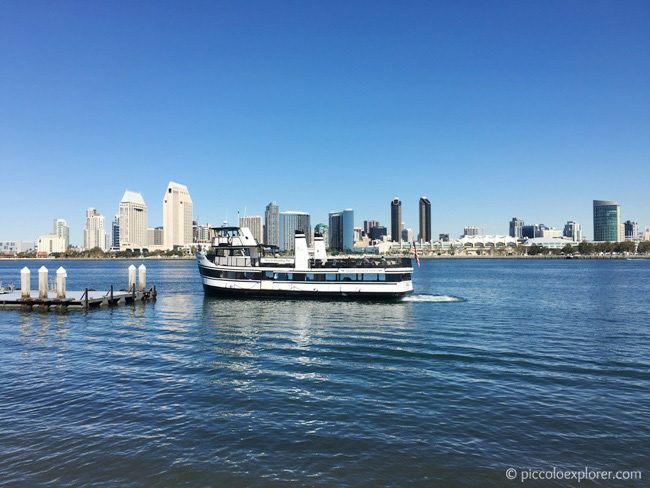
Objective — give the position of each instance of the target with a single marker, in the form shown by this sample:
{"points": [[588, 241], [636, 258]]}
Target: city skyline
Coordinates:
{"points": [[492, 111]]}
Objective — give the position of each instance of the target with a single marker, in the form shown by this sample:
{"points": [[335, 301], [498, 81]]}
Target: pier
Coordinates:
{"points": [[55, 296]]}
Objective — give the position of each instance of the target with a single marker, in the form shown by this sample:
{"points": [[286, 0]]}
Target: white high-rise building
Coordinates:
{"points": [[177, 216], [133, 221], [60, 229], [95, 231], [254, 223]]}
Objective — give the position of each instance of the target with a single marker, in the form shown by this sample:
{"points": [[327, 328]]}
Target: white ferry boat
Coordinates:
{"points": [[237, 265]]}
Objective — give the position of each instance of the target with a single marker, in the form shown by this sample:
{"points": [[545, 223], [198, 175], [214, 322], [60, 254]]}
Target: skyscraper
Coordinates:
{"points": [[115, 234], [369, 224], [323, 230], [133, 221], [573, 230], [272, 225], [341, 230], [290, 222], [177, 216], [425, 220], [94, 231], [607, 220], [630, 230], [60, 229], [516, 226], [396, 220], [254, 223]]}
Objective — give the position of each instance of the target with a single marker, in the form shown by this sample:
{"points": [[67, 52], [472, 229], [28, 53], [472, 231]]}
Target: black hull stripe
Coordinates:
{"points": [[301, 295]]}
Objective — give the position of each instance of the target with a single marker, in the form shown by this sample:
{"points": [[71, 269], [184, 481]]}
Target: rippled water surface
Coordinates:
{"points": [[490, 364]]}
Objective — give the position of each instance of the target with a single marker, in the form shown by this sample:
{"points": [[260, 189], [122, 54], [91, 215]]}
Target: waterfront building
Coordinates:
{"points": [[94, 230], [49, 244], [155, 237], [378, 232], [425, 220], [254, 223], [341, 230], [532, 231], [607, 220], [630, 230], [407, 235], [177, 216], [60, 228], [272, 225], [133, 221], [11, 248], [551, 233], [290, 222], [516, 227], [471, 230], [358, 234], [646, 234], [443, 237], [115, 233], [396, 219], [322, 230], [573, 231], [550, 242]]}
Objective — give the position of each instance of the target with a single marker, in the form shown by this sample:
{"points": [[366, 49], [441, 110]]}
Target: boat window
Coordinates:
{"points": [[348, 277], [298, 277], [252, 276], [369, 277], [319, 277], [393, 277], [330, 277], [280, 276], [268, 275]]}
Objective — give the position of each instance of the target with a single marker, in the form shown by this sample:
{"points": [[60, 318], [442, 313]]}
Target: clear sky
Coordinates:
{"points": [[493, 109]]}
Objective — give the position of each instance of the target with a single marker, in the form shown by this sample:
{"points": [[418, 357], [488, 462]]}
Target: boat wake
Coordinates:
{"points": [[432, 298]]}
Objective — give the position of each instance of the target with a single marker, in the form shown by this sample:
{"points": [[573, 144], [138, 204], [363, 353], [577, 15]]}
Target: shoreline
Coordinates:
{"points": [[422, 258]]}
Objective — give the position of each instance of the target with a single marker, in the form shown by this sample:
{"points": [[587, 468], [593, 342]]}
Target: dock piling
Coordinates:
{"points": [[142, 278], [61, 277], [131, 278], [25, 282], [42, 282]]}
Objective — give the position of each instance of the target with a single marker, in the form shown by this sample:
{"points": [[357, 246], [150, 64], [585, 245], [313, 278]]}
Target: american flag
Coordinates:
{"points": [[415, 253]]}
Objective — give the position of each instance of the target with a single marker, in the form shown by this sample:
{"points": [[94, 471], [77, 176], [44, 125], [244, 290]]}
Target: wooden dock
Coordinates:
{"points": [[79, 300]]}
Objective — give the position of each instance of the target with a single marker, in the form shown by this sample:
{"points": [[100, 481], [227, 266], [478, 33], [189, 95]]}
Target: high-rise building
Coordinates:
{"points": [[573, 231], [133, 221], [630, 230], [532, 231], [177, 216], [341, 230], [646, 234], [272, 225], [290, 222], [425, 220], [377, 232], [155, 237], [607, 221], [94, 231], [115, 233], [471, 230], [516, 226], [396, 219], [369, 224], [60, 229], [407, 235], [254, 223]]}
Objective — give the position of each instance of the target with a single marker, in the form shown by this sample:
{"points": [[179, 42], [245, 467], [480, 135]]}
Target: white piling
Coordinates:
{"points": [[142, 277], [25, 282], [42, 282], [61, 276], [131, 277]]}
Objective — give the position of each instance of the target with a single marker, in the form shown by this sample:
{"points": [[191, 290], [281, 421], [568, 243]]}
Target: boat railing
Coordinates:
{"points": [[349, 262]]}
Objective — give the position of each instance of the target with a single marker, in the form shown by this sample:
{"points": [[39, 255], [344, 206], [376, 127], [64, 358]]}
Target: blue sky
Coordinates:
{"points": [[492, 109]]}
